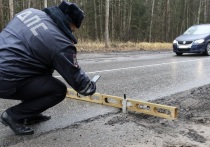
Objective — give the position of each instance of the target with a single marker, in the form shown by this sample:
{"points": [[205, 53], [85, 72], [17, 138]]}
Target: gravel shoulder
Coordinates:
{"points": [[191, 129]]}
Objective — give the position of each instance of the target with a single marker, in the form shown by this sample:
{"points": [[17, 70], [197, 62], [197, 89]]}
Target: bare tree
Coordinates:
{"points": [[205, 11], [101, 19], [95, 20], [29, 3], [45, 3], [199, 11], [129, 17], [107, 43], [151, 21], [168, 13], [11, 8], [124, 12], [1, 16], [113, 20]]}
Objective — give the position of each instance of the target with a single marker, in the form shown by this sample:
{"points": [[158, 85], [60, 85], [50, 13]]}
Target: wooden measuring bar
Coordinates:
{"points": [[96, 98], [158, 110], [163, 111]]}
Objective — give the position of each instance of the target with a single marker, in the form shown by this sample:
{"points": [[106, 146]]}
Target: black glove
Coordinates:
{"points": [[91, 89]]}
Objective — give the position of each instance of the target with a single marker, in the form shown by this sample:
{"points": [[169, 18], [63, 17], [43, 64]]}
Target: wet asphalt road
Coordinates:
{"points": [[140, 75], [146, 75]]}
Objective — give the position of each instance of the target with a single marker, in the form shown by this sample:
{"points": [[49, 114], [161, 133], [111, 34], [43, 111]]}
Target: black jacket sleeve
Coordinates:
{"points": [[65, 62]]}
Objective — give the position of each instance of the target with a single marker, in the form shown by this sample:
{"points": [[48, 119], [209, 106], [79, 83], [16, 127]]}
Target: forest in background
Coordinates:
{"points": [[125, 20]]}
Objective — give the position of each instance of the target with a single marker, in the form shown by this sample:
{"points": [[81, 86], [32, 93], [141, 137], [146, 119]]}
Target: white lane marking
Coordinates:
{"points": [[134, 67]]}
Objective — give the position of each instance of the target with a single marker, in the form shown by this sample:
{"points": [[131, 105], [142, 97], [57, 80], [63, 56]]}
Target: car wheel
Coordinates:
{"points": [[179, 54], [207, 51]]}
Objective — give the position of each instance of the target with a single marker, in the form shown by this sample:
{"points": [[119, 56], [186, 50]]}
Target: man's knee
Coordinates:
{"points": [[61, 92]]}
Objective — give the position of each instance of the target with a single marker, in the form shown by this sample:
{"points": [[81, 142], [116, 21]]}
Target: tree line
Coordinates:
{"points": [[124, 20]]}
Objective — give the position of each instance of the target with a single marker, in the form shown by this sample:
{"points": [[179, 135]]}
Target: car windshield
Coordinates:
{"points": [[202, 29]]}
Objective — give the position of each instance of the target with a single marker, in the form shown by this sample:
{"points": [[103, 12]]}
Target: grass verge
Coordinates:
{"points": [[91, 46]]}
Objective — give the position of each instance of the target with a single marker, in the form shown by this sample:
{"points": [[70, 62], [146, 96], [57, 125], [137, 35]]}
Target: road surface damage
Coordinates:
{"points": [[191, 129]]}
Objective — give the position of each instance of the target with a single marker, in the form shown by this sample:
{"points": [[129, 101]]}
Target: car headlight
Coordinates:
{"points": [[199, 41], [174, 42]]}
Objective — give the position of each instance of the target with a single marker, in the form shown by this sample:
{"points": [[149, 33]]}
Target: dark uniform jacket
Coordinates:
{"points": [[33, 45]]}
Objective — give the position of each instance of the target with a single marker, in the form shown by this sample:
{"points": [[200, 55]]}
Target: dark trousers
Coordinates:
{"points": [[37, 94]]}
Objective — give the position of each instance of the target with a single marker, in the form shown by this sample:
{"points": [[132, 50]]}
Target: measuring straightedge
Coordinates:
{"points": [[164, 111]]}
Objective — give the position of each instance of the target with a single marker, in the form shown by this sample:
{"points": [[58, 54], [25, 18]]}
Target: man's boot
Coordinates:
{"points": [[15, 126]]}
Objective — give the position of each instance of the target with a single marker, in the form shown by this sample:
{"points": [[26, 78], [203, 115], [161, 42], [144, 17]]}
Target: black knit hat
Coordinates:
{"points": [[73, 13]]}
